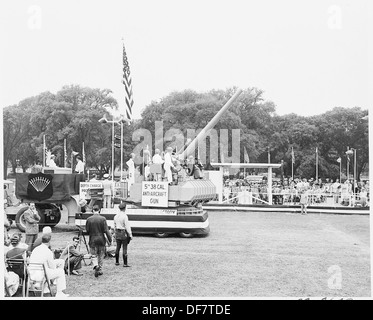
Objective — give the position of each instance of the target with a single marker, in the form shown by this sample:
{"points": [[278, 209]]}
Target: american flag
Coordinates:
{"points": [[127, 81]]}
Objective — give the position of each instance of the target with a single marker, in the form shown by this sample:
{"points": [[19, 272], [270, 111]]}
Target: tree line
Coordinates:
{"points": [[73, 113]]}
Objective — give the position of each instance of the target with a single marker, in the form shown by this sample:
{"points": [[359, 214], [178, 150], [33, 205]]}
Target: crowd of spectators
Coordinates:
{"points": [[322, 191]]}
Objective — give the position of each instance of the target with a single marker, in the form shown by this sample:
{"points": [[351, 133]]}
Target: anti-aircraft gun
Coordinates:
{"points": [[161, 209], [153, 207]]}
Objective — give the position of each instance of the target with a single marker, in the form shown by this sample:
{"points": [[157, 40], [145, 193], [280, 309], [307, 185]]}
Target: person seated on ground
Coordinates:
{"points": [[72, 257], [42, 254]]}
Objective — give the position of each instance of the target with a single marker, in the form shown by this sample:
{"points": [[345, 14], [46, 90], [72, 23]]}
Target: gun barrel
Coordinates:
{"points": [[191, 147]]}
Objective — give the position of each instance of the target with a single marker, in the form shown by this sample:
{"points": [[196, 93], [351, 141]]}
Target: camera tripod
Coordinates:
{"points": [[81, 236]]}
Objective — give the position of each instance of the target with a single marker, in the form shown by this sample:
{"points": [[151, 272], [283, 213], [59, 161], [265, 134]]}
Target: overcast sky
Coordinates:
{"points": [[307, 56]]}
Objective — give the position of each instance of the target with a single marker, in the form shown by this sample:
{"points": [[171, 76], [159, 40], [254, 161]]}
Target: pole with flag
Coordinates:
{"points": [[126, 114], [292, 163], [339, 160], [121, 150], [317, 165], [127, 81]]}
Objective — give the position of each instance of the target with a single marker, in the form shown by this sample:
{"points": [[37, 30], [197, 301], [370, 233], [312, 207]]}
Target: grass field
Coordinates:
{"points": [[245, 255]]}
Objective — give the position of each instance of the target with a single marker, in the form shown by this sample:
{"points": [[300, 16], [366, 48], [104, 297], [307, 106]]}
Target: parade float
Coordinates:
{"points": [[153, 207]]}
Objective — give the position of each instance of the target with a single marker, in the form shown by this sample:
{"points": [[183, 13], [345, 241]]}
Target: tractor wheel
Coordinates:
{"points": [[20, 219]]}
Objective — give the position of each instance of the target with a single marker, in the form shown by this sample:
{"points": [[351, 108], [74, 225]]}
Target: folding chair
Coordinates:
{"points": [[18, 266], [7, 293], [38, 281]]}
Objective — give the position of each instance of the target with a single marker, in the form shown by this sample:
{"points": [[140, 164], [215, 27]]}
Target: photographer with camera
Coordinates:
{"points": [[72, 257]]}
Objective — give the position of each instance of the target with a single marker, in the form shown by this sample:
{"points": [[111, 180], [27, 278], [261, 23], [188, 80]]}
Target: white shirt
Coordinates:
{"points": [[42, 254], [168, 160], [131, 171], [79, 167], [52, 164], [107, 187], [157, 159], [121, 222]]}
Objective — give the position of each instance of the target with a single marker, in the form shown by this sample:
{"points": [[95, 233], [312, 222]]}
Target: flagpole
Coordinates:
{"points": [[43, 150], [64, 154], [317, 165], [292, 164], [121, 150], [348, 163], [83, 154], [340, 171], [112, 153]]}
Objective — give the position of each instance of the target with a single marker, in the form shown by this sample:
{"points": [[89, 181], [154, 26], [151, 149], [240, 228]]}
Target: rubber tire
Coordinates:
{"points": [[186, 235], [161, 234], [20, 223]]}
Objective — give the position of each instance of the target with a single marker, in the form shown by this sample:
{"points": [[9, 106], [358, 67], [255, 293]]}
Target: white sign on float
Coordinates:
{"points": [[154, 194], [85, 186]]}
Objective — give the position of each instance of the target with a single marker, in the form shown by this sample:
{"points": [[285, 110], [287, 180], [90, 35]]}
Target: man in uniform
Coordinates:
{"points": [[108, 191], [131, 171], [79, 168], [168, 164]]}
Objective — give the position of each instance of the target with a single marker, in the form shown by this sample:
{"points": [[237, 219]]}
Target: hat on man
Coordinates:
{"points": [[106, 175]]}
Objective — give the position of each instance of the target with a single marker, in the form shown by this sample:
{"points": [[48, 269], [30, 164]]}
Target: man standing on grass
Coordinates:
{"points": [[123, 234], [32, 219], [96, 226], [304, 199]]}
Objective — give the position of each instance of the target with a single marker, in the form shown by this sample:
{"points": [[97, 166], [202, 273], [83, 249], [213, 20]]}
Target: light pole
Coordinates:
{"points": [[350, 152], [355, 168], [113, 122]]}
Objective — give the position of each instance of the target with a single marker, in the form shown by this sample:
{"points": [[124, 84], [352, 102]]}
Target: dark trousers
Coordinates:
{"points": [[123, 244], [75, 263], [30, 239]]}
